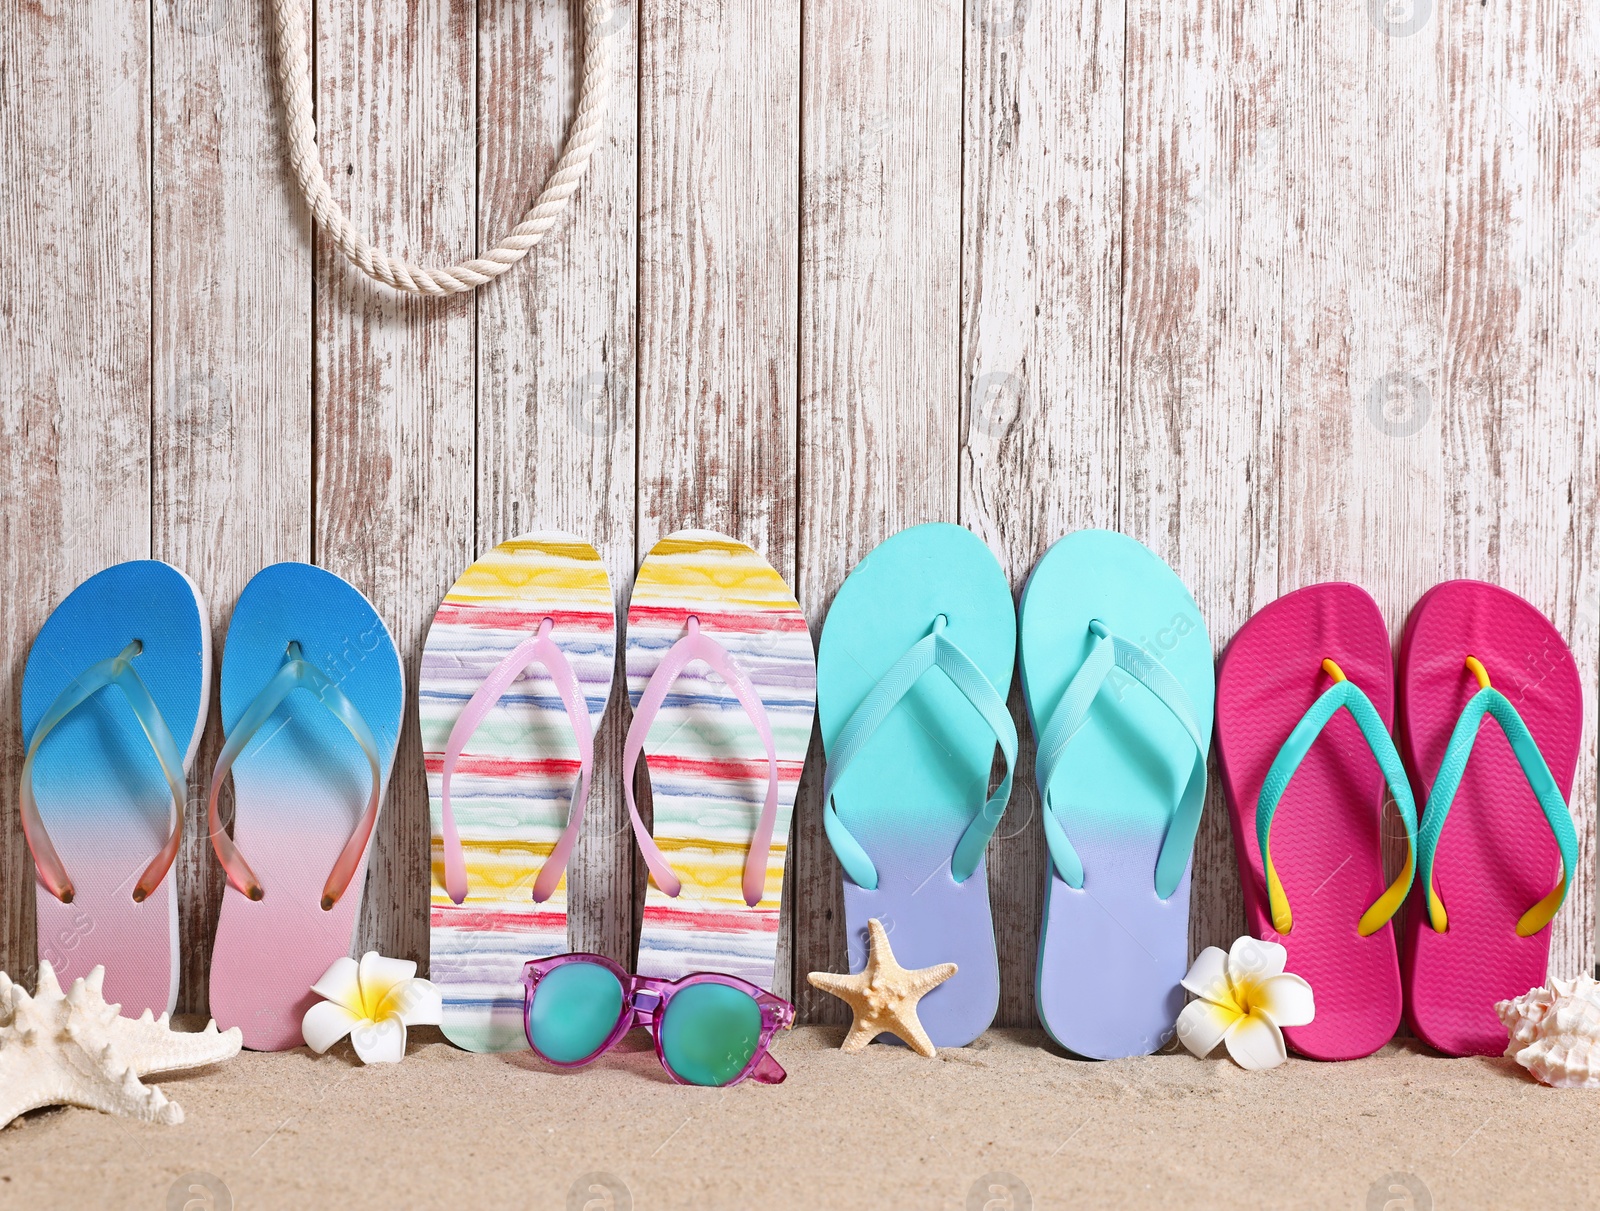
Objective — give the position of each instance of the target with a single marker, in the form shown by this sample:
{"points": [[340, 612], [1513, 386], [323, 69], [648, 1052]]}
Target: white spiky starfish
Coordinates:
{"points": [[72, 1049]]}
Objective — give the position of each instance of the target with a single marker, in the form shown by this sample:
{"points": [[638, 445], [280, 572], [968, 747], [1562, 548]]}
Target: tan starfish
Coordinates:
{"points": [[884, 995]]}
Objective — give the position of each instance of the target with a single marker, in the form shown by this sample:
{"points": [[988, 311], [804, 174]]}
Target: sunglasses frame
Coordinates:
{"points": [[776, 1014]]}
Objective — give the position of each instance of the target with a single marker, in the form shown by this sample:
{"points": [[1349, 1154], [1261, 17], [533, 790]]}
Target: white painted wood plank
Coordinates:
{"points": [[879, 339], [393, 422], [74, 346], [1204, 219], [555, 446], [1041, 342], [1517, 377], [231, 349], [719, 103], [1360, 489]]}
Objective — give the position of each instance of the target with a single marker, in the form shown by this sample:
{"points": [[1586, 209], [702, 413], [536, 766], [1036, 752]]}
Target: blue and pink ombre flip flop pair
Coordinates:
{"points": [[104, 782], [914, 664]]}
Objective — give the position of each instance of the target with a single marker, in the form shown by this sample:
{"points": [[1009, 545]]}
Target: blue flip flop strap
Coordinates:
{"points": [[1348, 696], [1072, 712], [1491, 701], [117, 671], [296, 673], [933, 650]]}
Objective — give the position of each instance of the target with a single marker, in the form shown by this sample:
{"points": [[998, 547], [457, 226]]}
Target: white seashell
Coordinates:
{"points": [[1555, 1032], [73, 1049]]}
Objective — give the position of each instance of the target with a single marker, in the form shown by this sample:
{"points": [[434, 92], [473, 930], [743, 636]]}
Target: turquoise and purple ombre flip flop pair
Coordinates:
{"points": [[104, 782], [914, 663]]}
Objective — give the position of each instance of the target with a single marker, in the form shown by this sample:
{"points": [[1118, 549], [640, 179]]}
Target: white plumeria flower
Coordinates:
{"points": [[1245, 997], [373, 1002]]}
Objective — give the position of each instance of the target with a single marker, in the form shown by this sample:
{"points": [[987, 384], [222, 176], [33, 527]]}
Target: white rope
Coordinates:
{"points": [[294, 86]]}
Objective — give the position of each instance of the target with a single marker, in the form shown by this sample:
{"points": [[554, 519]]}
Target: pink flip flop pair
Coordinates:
{"points": [[1306, 701]]}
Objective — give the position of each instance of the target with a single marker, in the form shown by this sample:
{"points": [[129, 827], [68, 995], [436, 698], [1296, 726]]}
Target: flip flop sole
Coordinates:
{"points": [[920, 781], [1112, 953], [511, 792], [300, 788], [707, 764], [1327, 832], [98, 784], [1496, 856]]}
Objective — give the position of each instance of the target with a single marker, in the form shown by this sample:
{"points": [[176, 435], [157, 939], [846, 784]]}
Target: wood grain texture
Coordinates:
{"points": [[879, 340], [1203, 235], [718, 288], [555, 431], [1041, 347], [1517, 376], [74, 347], [231, 350], [1361, 493], [393, 421]]}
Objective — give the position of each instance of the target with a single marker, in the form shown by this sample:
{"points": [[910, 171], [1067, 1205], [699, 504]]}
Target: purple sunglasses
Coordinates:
{"points": [[708, 1029]]}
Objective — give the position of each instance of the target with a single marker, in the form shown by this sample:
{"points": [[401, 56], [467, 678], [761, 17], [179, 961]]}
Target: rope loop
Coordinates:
{"points": [[294, 87]]}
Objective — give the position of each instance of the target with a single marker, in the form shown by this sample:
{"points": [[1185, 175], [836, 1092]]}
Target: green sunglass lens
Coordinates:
{"points": [[575, 1007], [710, 1032]]}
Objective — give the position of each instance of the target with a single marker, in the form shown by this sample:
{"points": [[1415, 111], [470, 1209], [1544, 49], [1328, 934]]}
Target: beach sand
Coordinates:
{"points": [[1008, 1118]]}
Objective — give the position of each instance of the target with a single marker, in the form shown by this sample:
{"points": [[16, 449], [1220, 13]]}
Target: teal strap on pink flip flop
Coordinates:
{"points": [[296, 673], [117, 671], [1072, 712], [1490, 701], [542, 648], [932, 651], [698, 646], [1348, 696]]}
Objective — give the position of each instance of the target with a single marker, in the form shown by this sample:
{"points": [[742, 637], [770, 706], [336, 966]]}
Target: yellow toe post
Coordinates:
{"points": [[1436, 914], [1386, 905], [1277, 901], [1537, 917], [1333, 670], [1478, 671]]}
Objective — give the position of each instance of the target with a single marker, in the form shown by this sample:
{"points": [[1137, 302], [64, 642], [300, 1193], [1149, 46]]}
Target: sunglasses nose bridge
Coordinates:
{"points": [[646, 1003]]}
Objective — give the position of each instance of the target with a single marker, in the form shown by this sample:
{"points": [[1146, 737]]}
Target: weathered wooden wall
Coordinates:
{"points": [[1288, 292]]}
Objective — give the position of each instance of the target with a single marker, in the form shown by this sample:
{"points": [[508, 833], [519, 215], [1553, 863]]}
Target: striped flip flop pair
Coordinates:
{"points": [[114, 700], [516, 676]]}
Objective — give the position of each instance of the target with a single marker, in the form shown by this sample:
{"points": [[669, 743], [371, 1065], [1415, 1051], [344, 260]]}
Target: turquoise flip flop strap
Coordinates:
{"points": [[1072, 712], [296, 673], [932, 651], [117, 671], [1341, 695], [1490, 701]]}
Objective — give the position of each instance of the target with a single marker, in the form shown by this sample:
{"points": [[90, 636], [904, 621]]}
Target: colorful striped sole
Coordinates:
{"points": [[512, 787], [708, 767]]}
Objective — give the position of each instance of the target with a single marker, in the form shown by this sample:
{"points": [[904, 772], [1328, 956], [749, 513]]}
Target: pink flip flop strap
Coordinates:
{"points": [[542, 648], [295, 673], [117, 671], [698, 646]]}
